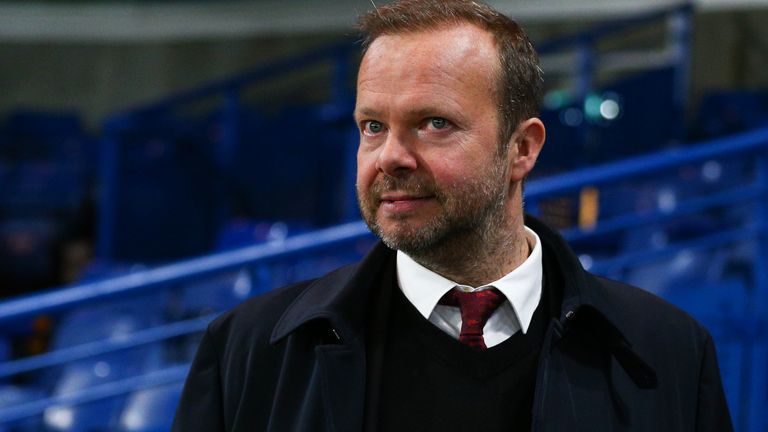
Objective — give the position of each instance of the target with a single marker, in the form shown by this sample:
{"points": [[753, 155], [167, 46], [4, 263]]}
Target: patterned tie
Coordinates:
{"points": [[475, 307]]}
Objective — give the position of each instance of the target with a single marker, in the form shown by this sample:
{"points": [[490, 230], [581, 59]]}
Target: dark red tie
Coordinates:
{"points": [[475, 307]]}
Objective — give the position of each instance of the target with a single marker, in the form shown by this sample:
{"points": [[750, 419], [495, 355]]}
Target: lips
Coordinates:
{"points": [[402, 203], [400, 197]]}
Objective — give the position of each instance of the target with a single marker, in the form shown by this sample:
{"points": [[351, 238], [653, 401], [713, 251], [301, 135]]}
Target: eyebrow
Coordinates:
{"points": [[426, 111], [365, 112]]}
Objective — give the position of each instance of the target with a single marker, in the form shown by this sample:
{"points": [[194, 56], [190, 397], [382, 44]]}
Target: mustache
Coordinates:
{"points": [[410, 185]]}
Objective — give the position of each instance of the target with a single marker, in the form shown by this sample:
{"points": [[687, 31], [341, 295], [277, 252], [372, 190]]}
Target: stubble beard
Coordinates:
{"points": [[473, 219]]}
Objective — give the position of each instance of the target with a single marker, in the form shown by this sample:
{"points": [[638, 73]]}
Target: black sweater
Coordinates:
{"points": [[421, 379]]}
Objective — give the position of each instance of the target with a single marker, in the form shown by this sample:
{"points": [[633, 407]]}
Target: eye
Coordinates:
{"points": [[372, 127], [438, 123]]}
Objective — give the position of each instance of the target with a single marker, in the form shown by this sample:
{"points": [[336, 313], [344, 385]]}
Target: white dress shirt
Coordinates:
{"points": [[522, 288]]}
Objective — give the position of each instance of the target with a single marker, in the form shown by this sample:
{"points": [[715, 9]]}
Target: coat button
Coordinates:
{"points": [[569, 314]]}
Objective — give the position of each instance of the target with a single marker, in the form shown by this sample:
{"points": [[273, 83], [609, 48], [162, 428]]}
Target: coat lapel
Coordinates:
{"points": [[324, 331], [584, 354]]}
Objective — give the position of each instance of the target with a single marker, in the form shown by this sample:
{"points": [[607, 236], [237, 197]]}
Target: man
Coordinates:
{"points": [[468, 316]]}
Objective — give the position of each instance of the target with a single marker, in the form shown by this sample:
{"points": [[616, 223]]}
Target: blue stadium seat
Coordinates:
{"points": [[100, 415], [712, 302], [300, 268], [12, 395], [212, 294], [247, 232], [117, 320], [723, 307], [114, 320], [150, 410]]}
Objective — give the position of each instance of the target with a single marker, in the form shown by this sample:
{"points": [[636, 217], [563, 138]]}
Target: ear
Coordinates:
{"points": [[526, 144]]}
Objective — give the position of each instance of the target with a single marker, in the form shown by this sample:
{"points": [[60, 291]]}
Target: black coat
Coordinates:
{"points": [[618, 359]]}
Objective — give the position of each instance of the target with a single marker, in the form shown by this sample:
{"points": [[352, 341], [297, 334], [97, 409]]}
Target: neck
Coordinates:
{"points": [[479, 256]]}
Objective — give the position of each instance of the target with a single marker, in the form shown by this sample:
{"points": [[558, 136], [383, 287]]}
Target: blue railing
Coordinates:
{"points": [[135, 283], [750, 191]]}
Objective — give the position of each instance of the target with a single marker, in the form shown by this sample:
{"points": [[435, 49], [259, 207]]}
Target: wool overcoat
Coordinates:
{"points": [[616, 359]]}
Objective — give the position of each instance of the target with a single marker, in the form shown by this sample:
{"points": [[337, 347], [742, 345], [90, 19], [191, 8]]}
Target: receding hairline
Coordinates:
{"points": [[433, 26], [448, 26]]}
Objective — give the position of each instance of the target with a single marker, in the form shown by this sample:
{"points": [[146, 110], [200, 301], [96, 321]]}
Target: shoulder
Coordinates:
{"points": [[255, 317], [252, 322], [650, 323], [638, 305]]}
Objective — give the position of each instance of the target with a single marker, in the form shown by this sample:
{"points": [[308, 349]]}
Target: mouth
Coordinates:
{"points": [[402, 203], [393, 197]]}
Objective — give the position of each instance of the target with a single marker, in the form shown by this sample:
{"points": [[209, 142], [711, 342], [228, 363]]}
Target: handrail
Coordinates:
{"points": [[56, 299], [536, 189], [91, 349], [690, 206], [115, 388], [721, 238], [742, 143]]}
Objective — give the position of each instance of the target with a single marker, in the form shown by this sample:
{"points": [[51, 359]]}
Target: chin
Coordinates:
{"points": [[408, 239]]}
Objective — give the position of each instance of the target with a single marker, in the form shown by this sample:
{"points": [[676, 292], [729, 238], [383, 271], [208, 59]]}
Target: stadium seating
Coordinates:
{"points": [[147, 410], [184, 189]]}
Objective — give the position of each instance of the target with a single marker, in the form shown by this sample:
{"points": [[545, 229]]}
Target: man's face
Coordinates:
{"points": [[429, 165]]}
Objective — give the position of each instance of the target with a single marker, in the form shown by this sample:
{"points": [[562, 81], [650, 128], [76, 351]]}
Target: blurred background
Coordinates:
{"points": [[161, 161]]}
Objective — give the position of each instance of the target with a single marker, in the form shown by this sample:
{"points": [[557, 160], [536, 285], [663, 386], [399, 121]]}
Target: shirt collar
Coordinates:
{"points": [[522, 286]]}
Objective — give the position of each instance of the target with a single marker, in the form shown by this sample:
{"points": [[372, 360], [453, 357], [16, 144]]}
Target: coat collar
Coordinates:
{"points": [[579, 287], [339, 297]]}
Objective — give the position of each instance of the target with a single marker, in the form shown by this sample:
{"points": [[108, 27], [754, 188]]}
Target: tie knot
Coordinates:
{"points": [[475, 308]]}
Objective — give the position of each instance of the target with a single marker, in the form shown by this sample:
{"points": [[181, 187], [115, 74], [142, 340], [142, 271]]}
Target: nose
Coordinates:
{"points": [[396, 157]]}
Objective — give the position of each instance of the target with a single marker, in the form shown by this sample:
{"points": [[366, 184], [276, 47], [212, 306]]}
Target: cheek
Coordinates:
{"points": [[366, 169]]}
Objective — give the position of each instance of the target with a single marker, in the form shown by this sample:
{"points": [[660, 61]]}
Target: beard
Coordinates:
{"points": [[470, 213]]}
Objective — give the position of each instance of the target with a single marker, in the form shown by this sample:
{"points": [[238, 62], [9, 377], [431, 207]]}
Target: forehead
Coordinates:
{"points": [[460, 58]]}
